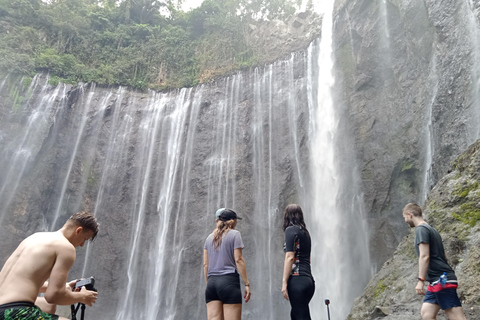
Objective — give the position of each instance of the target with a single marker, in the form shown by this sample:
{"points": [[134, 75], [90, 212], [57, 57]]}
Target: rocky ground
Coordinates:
{"points": [[453, 207]]}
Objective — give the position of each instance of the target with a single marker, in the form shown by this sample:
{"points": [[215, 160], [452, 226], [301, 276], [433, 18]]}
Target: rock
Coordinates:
{"points": [[398, 70], [453, 208], [380, 312]]}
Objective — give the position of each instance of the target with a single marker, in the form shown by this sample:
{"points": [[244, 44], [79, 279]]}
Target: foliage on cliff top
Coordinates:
{"points": [[139, 43]]}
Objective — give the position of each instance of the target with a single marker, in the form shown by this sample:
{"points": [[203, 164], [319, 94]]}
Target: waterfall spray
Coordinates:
{"points": [[337, 263]]}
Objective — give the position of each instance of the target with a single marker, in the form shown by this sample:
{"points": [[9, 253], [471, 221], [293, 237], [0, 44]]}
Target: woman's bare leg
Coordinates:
{"points": [[215, 310], [232, 311]]}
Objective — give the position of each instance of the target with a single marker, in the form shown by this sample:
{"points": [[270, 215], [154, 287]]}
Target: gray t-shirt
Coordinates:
{"points": [[438, 262], [221, 260]]}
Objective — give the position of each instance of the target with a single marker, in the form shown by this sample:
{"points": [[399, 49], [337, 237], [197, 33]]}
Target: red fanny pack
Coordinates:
{"points": [[438, 287]]}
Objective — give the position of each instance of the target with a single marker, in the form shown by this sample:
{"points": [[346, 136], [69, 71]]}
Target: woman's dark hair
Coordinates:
{"points": [[293, 216]]}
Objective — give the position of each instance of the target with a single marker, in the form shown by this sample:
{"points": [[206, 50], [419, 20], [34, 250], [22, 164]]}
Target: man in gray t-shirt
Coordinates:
{"points": [[438, 264], [432, 263]]}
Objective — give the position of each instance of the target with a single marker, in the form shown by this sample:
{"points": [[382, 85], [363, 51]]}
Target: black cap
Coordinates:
{"points": [[228, 214]]}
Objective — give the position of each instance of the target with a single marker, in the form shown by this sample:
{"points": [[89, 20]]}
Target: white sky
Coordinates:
{"points": [[191, 4]]}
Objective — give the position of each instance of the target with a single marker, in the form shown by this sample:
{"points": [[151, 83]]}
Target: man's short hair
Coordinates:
{"points": [[85, 220], [414, 209]]}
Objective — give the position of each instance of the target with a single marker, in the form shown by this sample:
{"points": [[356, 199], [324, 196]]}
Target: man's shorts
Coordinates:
{"points": [[225, 288], [24, 310], [446, 298]]}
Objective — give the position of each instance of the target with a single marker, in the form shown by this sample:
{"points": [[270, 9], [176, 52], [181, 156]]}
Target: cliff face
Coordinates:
{"points": [[155, 166], [409, 74], [453, 208]]}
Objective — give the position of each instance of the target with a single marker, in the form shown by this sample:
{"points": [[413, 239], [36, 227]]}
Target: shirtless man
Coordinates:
{"points": [[42, 256]]}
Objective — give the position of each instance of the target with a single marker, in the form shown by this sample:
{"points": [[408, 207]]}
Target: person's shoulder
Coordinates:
{"points": [[48, 243], [210, 236], [292, 229], [425, 227], [235, 232], [48, 238], [61, 243]]}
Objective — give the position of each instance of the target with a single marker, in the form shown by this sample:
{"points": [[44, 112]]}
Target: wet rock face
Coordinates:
{"points": [[408, 71], [154, 167], [276, 38], [453, 208]]}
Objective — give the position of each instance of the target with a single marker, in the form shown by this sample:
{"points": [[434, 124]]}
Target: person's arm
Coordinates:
{"points": [[423, 261], [287, 269], [237, 253], [205, 264], [43, 288], [57, 292], [69, 286]]}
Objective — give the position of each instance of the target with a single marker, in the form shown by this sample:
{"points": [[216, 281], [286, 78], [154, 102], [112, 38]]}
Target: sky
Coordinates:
{"points": [[191, 4]]}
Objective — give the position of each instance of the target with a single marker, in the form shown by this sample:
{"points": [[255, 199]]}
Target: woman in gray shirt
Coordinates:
{"points": [[222, 264]]}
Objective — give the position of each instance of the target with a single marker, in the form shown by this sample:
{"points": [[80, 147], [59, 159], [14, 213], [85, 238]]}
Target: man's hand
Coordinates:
{"points": [[419, 288], [89, 297], [71, 284]]}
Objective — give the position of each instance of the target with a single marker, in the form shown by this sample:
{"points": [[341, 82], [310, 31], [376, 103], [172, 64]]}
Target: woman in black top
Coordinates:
{"points": [[298, 285]]}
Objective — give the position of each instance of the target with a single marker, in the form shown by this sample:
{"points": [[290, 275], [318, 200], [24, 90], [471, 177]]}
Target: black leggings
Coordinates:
{"points": [[300, 292]]}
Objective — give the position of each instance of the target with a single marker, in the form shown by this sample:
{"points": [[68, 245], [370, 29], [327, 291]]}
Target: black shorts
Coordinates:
{"points": [[225, 288]]}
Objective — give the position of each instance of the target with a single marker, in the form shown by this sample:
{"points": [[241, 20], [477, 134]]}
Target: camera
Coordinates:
{"points": [[88, 283]]}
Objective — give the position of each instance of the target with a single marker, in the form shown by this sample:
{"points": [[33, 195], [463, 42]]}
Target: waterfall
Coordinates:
{"points": [[21, 144], [429, 134], [154, 167], [73, 154], [473, 29], [340, 255]]}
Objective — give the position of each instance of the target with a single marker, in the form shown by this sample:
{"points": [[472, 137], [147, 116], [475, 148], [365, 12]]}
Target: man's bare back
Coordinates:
{"points": [[30, 265], [47, 256]]}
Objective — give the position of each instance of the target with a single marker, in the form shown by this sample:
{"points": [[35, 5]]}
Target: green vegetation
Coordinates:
{"points": [[469, 214], [406, 165], [468, 195], [463, 190], [139, 43], [380, 288]]}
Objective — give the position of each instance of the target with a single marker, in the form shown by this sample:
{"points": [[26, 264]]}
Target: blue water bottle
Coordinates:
{"points": [[443, 279]]}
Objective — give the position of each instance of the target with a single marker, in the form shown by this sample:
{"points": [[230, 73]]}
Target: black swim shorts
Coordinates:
{"points": [[225, 288], [24, 310]]}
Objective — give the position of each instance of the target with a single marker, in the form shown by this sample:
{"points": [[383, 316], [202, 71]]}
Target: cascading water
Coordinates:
{"points": [[429, 134], [473, 27], [340, 254], [21, 145], [154, 167], [469, 118], [83, 121]]}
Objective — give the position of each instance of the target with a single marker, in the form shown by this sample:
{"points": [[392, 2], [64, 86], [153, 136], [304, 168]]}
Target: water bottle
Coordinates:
{"points": [[443, 279]]}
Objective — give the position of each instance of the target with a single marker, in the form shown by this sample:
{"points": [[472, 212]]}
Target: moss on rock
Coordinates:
{"points": [[453, 208]]}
